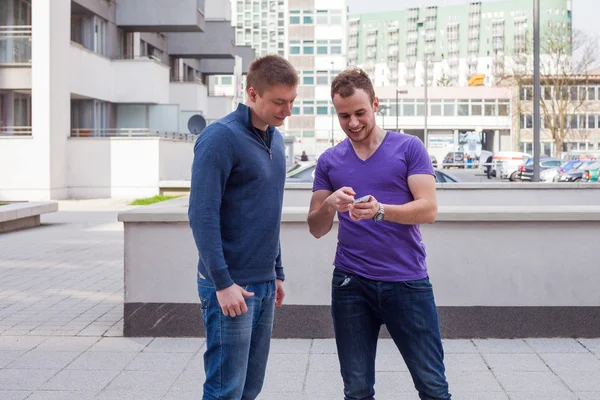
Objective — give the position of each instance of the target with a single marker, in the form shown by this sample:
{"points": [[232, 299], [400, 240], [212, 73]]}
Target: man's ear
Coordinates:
{"points": [[252, 94]]}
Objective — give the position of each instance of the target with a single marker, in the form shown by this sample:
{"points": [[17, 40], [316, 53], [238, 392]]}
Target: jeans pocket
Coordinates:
{"points": [[419, 284], [341, 279]]}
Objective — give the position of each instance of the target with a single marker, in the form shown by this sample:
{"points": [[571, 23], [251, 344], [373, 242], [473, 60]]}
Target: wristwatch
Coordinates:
{"points": [[380, 214]]}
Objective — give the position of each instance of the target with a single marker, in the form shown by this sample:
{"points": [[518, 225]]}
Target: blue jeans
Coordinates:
{"points": [[360, 306], [237, 348]]}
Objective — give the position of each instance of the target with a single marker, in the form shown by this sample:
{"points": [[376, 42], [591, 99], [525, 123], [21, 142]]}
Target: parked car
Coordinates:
{"points": [[302, 173], [590, 172], [444, 177], [549, 174], [526, 170], [433, 161], [574, 175], [454, 159], [505, 164], [306, 173]]}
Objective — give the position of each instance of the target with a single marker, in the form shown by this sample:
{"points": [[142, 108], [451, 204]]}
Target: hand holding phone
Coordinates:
{"points": [[363, 199]]}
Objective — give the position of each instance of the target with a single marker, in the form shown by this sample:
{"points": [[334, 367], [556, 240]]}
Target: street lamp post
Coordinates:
{"points": [[332, 114], [398, 104], [382, 111], [420, 26], [536, 91]]}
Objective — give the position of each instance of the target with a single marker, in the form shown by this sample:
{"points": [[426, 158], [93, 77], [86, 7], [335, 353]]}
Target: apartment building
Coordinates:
{"points": [[96, 96], [455, 42], [317, 48]]}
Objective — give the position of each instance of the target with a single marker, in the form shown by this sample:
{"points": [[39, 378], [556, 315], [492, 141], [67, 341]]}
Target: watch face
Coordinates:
{"points": [[378, 217]]}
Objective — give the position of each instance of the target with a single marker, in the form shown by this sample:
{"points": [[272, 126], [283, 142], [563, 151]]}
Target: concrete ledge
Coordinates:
{"points": [[314, 321], [17, 216], [176, 211]]}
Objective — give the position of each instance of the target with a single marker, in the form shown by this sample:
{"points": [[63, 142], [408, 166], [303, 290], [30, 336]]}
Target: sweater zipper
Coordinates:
{"points": [[265, 146]]}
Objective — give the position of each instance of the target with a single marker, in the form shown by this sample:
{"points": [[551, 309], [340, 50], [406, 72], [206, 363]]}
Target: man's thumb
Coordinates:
{"points": [[246, 293]]}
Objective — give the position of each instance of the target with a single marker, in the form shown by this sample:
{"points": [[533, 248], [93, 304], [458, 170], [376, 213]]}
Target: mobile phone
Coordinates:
{"points": [[362, 199]]}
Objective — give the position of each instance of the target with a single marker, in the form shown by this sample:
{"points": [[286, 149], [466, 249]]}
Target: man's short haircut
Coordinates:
{"points": [[269, 71], [346, 83]]}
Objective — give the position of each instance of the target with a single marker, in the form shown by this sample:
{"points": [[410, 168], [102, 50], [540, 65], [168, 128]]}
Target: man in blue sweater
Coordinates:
{"points": [[236, 198]]}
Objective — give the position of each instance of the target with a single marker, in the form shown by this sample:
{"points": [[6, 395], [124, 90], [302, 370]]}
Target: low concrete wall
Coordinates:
{"points": [[497, 272], [23, 215]]}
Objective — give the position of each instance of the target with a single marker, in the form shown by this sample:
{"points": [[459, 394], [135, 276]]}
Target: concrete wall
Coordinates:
{"points": [[124, 167], [189, 95], [15, 78], [501, 263], [218, 107]]}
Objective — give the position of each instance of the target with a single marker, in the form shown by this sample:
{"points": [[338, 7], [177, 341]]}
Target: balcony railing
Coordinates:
{"points": [[133, 133], [15, 44], [15, 131], [189, 79]]}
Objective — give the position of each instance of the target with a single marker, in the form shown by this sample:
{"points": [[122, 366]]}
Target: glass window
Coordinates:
{"points": [[463, 109], [336, 17], [322, 78], [226, 80], [308, 78], [308, 47], [408, 110], [490, 110], [591, 121], [503, 109], [295, 110], [294, 47], [308, 107], [449, 109], [476, 109], [322, 110], [591, 93], [436, 109], [308, 133], [308, 20], [322, 46], [294, 20], [322, 17]]}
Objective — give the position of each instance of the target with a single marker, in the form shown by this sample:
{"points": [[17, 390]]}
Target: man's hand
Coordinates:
{"points": [[341, 199], [232, 301], [365, 210], [280, 293]]}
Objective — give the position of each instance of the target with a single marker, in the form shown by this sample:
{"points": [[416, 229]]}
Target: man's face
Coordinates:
{"points": [[356, 114], [274, 105]]}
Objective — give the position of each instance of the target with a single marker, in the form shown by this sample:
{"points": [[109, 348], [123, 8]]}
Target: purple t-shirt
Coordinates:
{"points": [[382, 251]]}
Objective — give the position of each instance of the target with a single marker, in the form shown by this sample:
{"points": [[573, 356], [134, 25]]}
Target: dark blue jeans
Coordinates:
{"points": [[360, 306], [237, 348]]}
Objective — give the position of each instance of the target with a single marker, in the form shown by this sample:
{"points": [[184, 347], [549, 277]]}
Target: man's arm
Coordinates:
{"points": [[422, 210], [323, 206], [213, 162]]}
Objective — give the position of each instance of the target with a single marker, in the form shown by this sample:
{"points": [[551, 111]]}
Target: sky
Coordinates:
{"points": [[583, 10]]}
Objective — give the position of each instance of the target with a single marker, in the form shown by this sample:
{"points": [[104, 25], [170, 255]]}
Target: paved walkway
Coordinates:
{"points": [[61, 295]]}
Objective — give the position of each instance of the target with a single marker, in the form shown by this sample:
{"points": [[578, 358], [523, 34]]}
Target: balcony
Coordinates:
{"points": [[142, 80], [190, 94], [217, 41], [226, 66], [161, 15]]}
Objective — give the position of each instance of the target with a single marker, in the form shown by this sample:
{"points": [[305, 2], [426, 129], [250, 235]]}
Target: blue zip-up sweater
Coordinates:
{"points": [[236, 198]]}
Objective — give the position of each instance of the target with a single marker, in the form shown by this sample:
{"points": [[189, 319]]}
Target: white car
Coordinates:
{"points": [[506, 163]]}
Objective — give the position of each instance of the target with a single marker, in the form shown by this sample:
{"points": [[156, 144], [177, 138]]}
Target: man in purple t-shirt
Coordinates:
{"points": [[380, 274]]}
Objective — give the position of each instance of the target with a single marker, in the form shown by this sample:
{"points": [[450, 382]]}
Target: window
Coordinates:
{"points": [[436, 108], [336, 17], [591, 121], [503, 109], [476, 109], [490, 108], [322, 17], [308, 47], [322, 107], [295, 110], [294, 17], [408, 110], [308, 18], [294, 47], [226, 80], [449, 109], [463, 108], [322, 78], [308, 107], [322, 46], [308, 77]]}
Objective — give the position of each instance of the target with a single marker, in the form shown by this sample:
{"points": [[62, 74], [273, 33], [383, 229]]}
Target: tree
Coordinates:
{"points": [[444, 80], [566, 59]]}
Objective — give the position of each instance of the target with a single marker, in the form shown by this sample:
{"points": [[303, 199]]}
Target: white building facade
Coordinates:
{"points": [[95, 96]]}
